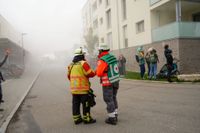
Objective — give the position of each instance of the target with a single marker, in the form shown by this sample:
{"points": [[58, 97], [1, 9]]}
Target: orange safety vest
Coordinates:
{"points": [[79, 82]]}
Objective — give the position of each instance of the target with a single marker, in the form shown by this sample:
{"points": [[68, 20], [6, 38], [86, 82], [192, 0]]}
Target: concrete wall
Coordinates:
{"points": [[186, 50], [189, 56], [129, 53]]}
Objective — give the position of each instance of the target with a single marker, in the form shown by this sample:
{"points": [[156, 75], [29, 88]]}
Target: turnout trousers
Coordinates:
{"points": [[110, 97], [77, 100]]}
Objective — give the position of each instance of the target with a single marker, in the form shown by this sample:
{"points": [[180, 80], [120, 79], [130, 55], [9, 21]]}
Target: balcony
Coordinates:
{"points": [[152, 2], [176, 30]]}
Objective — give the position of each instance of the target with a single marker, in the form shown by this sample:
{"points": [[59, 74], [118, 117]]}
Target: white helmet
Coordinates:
{"points": [[150, 49], [103, 46], [79, 51]]}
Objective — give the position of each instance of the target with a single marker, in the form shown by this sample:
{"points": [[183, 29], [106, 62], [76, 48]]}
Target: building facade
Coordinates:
{"points": [[13, 40], [126, 24]]}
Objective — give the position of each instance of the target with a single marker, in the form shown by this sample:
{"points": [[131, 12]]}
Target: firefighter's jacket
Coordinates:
{"points": [[79, 74]]}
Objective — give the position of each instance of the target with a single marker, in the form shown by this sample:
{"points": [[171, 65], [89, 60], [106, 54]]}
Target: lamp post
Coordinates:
{"points": [[23, 52]]}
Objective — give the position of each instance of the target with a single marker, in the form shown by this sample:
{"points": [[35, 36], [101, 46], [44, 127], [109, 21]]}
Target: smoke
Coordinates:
{"points": [[52, 27]]}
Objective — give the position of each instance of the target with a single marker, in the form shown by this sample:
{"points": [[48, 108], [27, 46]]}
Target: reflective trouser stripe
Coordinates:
{"points": [[76, 117], [111, 114], [86, 117], [87, 104]]}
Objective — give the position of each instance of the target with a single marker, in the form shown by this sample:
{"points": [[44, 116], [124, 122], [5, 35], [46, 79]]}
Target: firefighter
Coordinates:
{"points": [[79, 73], [107, 70]]}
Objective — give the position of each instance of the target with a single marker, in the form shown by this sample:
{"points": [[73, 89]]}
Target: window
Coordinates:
{"points": [[125, 35], [140, 27], [107, 3], [124, 16], [100, 1], [101, 20], [94, 6], [109, 40], [95, 24], [102, 40], [196, 17], [108, 16]]}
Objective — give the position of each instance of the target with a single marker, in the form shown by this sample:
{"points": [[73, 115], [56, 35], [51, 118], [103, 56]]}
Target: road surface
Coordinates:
{"points": [[144, 107]]}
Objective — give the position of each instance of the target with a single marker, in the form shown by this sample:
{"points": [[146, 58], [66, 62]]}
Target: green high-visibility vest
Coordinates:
{"points": [[153, 59], [113, 70]]}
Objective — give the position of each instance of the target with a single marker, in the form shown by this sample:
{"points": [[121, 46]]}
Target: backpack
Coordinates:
{"points": [[137, 58]]}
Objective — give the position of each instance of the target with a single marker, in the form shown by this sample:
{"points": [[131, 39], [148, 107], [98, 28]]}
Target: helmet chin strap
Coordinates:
{"points": [[100, 51]]}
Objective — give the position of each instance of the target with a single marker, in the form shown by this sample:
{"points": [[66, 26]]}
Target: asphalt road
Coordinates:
{"points": [[144, 107]]}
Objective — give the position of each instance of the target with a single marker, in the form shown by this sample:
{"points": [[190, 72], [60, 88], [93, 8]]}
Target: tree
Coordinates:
{"points": [[91, 42]]}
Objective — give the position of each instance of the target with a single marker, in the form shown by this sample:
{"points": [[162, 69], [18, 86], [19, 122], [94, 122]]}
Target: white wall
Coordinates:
{"points": [[138, 10]]}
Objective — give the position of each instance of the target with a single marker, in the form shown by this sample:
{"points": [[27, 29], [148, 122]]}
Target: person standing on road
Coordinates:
{"points": [[108, 71], [79, 72], [169, 59], [1, 77]]}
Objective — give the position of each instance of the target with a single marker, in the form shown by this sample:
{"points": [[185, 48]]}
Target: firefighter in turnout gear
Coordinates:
{"points": [[79, 73], [107, 70]]}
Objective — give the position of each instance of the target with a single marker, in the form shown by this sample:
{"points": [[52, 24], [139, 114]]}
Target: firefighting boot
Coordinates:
{"points": [[77, 119], [87, 119], [111, 120], [116, 114]]}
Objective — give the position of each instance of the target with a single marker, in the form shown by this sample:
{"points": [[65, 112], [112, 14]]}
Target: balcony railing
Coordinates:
{"points": [[154, 1], [176, 30]]}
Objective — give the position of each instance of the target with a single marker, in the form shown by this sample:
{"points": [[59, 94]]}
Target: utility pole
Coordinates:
{"points": [[23, 51]]}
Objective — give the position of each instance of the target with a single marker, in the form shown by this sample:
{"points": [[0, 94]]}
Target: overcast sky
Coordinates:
{"points": [[49, 24]]}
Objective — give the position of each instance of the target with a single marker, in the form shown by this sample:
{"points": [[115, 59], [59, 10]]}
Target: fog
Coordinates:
{"points": [[51, 25]]}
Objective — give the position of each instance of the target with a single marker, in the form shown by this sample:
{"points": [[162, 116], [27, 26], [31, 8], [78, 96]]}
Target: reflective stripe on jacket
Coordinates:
{"points": [[79, 74]]}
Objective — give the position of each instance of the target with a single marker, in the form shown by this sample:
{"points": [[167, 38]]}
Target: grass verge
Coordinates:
{"points": [[136, 76]]}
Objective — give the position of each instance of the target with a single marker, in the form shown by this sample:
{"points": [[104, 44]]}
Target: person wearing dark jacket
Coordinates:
{"points": [[1, 76], [122, 65], [169, 59], [79, 72], [147, 59]]}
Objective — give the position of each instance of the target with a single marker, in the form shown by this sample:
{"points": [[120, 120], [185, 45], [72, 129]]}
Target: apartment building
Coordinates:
{"points": [[126, 24]]}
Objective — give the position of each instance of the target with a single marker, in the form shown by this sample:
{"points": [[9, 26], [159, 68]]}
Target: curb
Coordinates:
{"points": [[6, 82], [8, 119], [161, 82]]}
